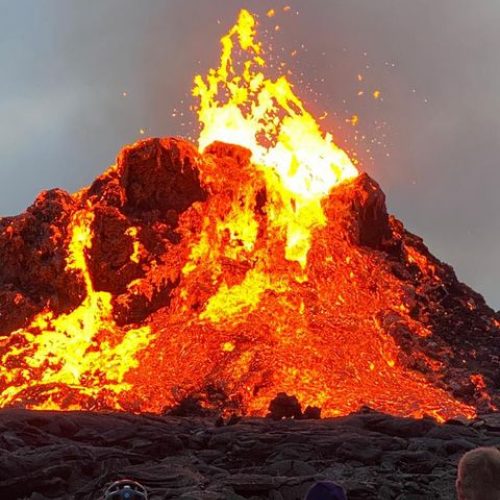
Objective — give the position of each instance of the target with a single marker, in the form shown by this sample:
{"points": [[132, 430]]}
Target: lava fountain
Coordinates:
{"points": [[260, 262]]}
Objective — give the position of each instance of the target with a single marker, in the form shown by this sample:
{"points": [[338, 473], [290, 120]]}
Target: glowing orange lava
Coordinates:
{"points": [[83, 350], [240, 105], [267, 292]]}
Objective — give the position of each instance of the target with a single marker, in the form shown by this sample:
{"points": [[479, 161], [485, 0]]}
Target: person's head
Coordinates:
{"points": [[126, 489], [326, 490], [478, 476]]}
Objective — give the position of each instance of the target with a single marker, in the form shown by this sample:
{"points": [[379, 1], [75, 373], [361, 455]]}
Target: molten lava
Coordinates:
{"points": [[82, 350], [259, 263], [239, 105]]}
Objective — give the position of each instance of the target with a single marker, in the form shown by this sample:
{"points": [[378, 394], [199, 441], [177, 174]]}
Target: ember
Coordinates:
{"points": [[234, 271]]}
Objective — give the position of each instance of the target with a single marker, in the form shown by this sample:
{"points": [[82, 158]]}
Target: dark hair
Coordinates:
{"points": [[326, 490]]}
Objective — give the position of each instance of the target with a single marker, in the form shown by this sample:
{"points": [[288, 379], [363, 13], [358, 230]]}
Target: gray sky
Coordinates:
{"points": [[433, 137]]}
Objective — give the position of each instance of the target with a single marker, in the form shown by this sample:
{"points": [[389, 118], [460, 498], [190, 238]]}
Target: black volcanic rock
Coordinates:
{"points": [[109, 261], [284, 406], [32, 256], [360, 206], [160, 174], [372, 455]]}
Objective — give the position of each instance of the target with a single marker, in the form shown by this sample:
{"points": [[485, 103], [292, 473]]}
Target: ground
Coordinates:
{"points": [[374, 456]]}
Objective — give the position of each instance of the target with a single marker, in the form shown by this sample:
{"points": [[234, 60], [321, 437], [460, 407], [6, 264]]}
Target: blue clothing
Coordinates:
{"points": [[326, 490]]}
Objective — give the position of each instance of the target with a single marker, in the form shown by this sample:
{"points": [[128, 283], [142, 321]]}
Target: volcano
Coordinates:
{"points": [[138, 292], [258, 262]]}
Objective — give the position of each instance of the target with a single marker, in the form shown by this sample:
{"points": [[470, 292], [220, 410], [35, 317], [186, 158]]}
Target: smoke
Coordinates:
{"points": [[80, 79]]}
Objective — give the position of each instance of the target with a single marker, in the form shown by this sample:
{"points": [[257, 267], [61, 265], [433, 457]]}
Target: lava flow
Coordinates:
{"points": [[260, 262]]}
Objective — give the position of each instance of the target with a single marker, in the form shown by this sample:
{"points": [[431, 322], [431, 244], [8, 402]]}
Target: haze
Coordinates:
{"points": [[80, 79]]}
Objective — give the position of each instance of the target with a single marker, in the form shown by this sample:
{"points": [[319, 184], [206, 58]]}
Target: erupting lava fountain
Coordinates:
{"points": [[260, 262]]}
